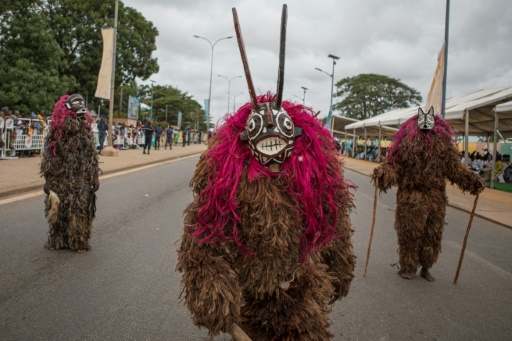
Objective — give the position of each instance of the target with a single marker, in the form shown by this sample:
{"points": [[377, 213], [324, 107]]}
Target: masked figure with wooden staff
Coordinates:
{"points": [[267, 241], [421, 157], [70, 168]]}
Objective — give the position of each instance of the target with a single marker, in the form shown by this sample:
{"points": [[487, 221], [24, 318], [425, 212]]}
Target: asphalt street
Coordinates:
{"points": [[126, 287]]}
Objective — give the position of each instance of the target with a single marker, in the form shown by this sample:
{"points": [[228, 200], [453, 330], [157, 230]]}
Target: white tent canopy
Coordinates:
{"points": [[480, 109], [478, 104], [390, 118], [504, 107]]}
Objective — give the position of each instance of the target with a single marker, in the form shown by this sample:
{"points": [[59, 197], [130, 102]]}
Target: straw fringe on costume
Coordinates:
{"points": [[70, 160], [265, 250], [419, 162]]}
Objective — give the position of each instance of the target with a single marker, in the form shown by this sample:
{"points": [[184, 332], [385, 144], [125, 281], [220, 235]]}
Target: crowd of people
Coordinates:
{"points": [[17, 124], [479, 163], [345, 148], [483, 163], [124, 136], [146, 135]]}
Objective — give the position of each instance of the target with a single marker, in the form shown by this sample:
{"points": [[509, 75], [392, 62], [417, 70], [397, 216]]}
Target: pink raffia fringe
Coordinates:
{"points": [[59, 115], [410, 130], [314, 171]]}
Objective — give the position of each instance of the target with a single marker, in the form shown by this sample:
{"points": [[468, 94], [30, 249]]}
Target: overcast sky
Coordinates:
{"points": [[396, 38]]}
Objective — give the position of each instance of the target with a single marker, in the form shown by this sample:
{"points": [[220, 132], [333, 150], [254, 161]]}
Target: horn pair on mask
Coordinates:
{"points": [[270, 132]]}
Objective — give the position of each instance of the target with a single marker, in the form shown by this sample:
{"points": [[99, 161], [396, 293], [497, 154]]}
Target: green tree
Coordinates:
{"points": [[367, 95], [29, 59], [77, 26], [52, 47], [173, 100]]}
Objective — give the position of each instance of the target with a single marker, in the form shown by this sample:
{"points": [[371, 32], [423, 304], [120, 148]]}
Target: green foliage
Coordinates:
{"points": [[367, 95], [29, 60], [77, 27], [176, 101], [52, 47]]}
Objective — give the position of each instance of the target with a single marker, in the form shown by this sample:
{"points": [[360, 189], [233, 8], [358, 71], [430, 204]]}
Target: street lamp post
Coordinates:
{"points": [[152, 82], [234, 100], [304, 97], [211, 73], [334, 59], [229, 87]]}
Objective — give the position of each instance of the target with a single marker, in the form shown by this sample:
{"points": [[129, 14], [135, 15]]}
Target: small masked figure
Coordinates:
{"points": [[422, 156], [70, 168]]}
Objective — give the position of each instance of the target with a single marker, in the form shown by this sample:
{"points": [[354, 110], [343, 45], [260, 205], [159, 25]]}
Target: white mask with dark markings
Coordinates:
{"points": [[270, 134]]}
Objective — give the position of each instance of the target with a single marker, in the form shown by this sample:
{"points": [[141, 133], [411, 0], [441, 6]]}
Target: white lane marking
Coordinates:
{"points": [[108, 176]]}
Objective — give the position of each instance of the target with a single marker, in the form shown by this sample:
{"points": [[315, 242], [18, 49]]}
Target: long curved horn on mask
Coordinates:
{"points": [[241, 46], [282, 48]]}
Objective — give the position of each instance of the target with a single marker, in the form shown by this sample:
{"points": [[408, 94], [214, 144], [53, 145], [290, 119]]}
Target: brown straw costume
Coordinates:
{"points": [[419, 161], [70, 168]]}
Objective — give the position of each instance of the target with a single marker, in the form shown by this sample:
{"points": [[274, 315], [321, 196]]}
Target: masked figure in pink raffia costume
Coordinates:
{"points": [[421, 157], [70, 168], [267, 240]]}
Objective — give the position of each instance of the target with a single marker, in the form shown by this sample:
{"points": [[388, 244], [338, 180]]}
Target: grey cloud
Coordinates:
{"points": [[400, 39]]}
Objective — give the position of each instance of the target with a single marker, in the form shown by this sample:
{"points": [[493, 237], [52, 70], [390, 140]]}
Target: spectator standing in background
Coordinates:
{"points": [[169, 136], [102, 131], [158, 134], [148, 135], [184, 136]]}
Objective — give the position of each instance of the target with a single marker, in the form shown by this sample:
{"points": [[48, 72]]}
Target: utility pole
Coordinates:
{"points": [[121, 101]]}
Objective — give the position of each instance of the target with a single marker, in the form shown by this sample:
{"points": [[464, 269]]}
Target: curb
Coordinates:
{"points": [[460, 208], [31, 188]]}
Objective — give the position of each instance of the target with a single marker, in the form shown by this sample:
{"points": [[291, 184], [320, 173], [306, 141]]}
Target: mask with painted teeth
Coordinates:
{"points": [[270, 133], [76, 104]]}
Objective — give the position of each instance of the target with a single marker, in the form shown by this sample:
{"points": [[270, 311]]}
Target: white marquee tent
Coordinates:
{"points": [[471, 114], [502, 122], [479, 105]]}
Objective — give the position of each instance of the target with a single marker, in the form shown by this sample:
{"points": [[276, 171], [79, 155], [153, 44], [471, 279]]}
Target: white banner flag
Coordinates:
{"points": [[434, 97], [105, 74]]}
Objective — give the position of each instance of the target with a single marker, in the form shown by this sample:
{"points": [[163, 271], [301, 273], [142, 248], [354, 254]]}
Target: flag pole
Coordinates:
{"points": [[446, 36], [110, 150]]}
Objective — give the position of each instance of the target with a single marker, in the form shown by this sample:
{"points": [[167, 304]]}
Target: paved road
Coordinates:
{"points": [[126, 288]]}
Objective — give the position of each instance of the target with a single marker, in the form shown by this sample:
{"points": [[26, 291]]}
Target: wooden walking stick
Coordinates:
{"points": [[465, 240], [373, 225], [238, 333]]}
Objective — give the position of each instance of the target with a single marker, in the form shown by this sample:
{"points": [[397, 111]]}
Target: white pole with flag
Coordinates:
{"points": [[106, 78]]}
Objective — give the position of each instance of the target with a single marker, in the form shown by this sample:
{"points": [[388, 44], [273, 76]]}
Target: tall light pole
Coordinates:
{"points": [[234, 100], [304, 97], [446, 36], [211, 73], [229, 87], [152, 82], [334, 59]]}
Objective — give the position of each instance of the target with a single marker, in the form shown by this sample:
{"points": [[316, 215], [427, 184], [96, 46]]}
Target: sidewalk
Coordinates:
{"points": [[493, 205], [22, 175]]}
